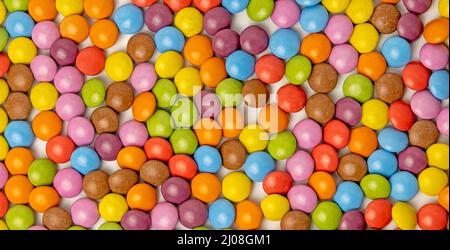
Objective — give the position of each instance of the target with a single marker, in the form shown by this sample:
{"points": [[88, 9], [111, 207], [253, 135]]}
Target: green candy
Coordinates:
{"points": [[358, 87], [375, 186], [41, 172], [19, 217], [282, 145], [183, 141], [327, 216], [165, 92], [110, 226], [201, 228], [260, 10], [76, 228], [184, 113], [160, 124], [3, 38], [16, 5], [298, 69], [229, 92], [93, 92]]}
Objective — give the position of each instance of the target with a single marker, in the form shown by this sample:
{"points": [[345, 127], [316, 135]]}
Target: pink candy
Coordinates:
{"points": [[285, 13], [81, 131], [343, 58], [44, 68], [69, 106], [300, 166], [84, 212], [3, 175], [302, 197], [339, 29], [164, 216], [434, 56], [425, 105], [143, 77], [69, 80], [441, 121], [133, 133], [68, 183], [45, 34], [308, 133]]}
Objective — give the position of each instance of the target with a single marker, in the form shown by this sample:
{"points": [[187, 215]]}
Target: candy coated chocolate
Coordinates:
{"points": [[119, 96], [95, 184], [352, 167], [323, 78], [295, 220], [154, 172], [320, 107], [423, 133], [389, 88], [105, 120], [20, 78], [18, 106], [255, 93], [233, 154], [122, 180]]}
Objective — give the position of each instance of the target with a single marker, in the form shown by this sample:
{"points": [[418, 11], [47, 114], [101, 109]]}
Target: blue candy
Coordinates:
{"points": [[85, 160], [208, 159], [396, 51], [19, 24], [438, 84], [392, 140], [129, 19], [306, 3], [382, 162], [19, 134], [258, 165], [240, 65], [235, 6], [404, 186], [221, 214], [284, 43], [348, 196], [169, 38], [314, 18]]}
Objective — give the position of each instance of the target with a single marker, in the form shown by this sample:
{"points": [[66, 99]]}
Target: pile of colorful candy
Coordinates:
{"points": [[171, 114]]}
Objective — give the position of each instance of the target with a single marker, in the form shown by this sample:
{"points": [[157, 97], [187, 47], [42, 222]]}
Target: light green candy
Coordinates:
{"points": [[165, 92], [76, 228], [298, 69], [260, 10], [229, 92], [160, 124], [375, 186], [183, 141], [3, 38], [201, 228], [184, 113], [16, 5], [93, 92], [358, 87], [327, 216], [110, 226], [19, 217], [41, 172], [282, 145]]}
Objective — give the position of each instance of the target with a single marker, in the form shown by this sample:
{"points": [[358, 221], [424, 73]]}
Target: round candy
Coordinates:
{"points": [[410, 27], [437, 156], [412, 159], [282, 145], [198, 49], [19, 24], [84, 212], [397, 52], [300, 166], [129, 19], [142, 196], [358, 87], [236, 186], [154, 172], [443, 8], [176, 190], [314, 18], [404, 216], [418, 7], [352, 220], [392, 140], [69, 106], [303, 198], [258, 165], [85, 160], [308, 133], [190, 21], [157, 16], [348, 111], [285, 13], [64, 51], [193, 213], [372, 65], [68, 183], [233, 154], [41, 172], [19, 217], [105, 120], [343, 58], [284, 43], [348, 196], [375, 114], [382, 162], [339, 29], [133, 133], [274, 207], [104, 33], [182, 166], [290, 98], [295, 220], [248, 215], [99, 9], [378, 213], [188, 81], [21, 50], [327, 215], [437, 84], [323, 184], [240, 65], [269, 69], [385, 18], [119, 66], [208, 159], [359, 11], [364, 38], [404, 186], [112, 207], [225, 42], [109, 226], [206, 187], [432, 56], [254, 40], [216, 19], [423, 133], [259, 11], [432, 217], [74, 27], [135, 220], [298, 69], [42, 10], [235, 6], [19, 134], [221, 214], [425, 105], [67, 7], [435, 31], [375, 186], [164, 216], [68, 80], [320, 107], [442, 121]]}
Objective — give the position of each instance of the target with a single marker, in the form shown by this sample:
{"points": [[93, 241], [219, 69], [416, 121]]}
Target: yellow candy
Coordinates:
{"points": [[437, 155], [43, 96], [2, 12], [274, 207], [112, 207], [360, 11], [4, 91], [69, 7], [254, 138], [21, 50], [4, 148], [188, 81], [335, 6], [3, 225], [404, 215], [168, 64], [236, 186], [432, 180], [3, 120], [364, 38], [119, 66], [443, 8], [189, 21], [375, 114]]}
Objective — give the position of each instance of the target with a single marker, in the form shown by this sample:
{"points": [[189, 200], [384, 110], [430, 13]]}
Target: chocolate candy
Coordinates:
{"points": [[323, 78], [141, 47], [352, 167], [56, 218], [233, 154], [122, 180], [389, 88], [255, 93], [95, 184], [105, 120], [320, 107], [295, 220], [18, 106], [20, 78], [385, 18], [119, 96], [423, 133], [154, 172]]}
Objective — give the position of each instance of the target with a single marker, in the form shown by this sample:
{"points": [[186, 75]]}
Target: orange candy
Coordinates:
{"points": [[248, 215], [363, 141], [372, 65], [208, 132], [231, 121], [143, 106], [317, 47], [198, 49], [443, 198], [104, 33], [213, 71], [323, 184], [205, 5], [41, 10], [206, 187], [436, 31], [18, 189], [131, 157], [46, 125], [98, 9], [18, 160], [273, 119], [74, 27], [390, 1], [43, 198], [142, 196], [177, 5]]}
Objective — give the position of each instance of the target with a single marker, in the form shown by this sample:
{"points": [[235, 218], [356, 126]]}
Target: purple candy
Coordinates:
{"points": [[300, 166], [3, 175], [44, 68], [208, 104], [193, 213], [108, 146], [64, 51], [158, 16], [84, 212], [45, 33], [412, 159], [69, 80], [348, 111], [286, 13], [133, 133], [164, 216], [442, 121], [135, 220], [434, 56], [254, 40], [353, 220], [339, 29], [410, 27], [216, 19], [69, 106], [344, 58], [81, 131], [225, 42], [308, 133], [425, 105], [176, 190], [37, 228], [302, 197], [68, 182], [417, 6]]}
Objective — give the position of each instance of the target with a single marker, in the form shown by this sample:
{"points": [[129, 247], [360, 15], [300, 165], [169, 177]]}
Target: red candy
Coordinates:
{"points": [[143, 3], [205, 5], [158, 149], [277, 182], [269, 69], [336, 133], [325, 158], [177, 5], [91, 61], [416, 76], [291, 98], [60, 148], [4, 204], [183, 166], [4, 64], [378, 213], [401, 115], [432, 217]]}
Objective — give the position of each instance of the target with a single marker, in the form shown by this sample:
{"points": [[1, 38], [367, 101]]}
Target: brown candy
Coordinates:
{"points": [[105, 120], [18, 106], [20, 78], [95, 184], [389, 88], [255, 93], [119, 96], [233, 154], [352, 167], [56, 218], [141, 47], [385, 18], [122, 180], [295, 220], [320, 107], [154, 172], [423, 133], [323, 78]]}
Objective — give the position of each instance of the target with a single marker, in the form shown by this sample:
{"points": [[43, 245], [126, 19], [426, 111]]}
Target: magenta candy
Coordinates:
{"points": [[135, 220], [216, 19], [286, 13], [303, 198], [68, 182], [43, 68], [144, 77], [425, 105], [158, 16], [176, 190], [348, 111], [353, 220], [344, 58], [108, 146], [410, 27], [84, 212], [69, 106], [412, 159], [434, 56], [64, 51], [3, 175], [81, 131], [69, 80], [208, 104], [308, 133], [339, 29], [417, 6], [193, 213], [133, 133], [254, 40], [442, 121], [44, 34], [164, 216], [37, 228], [300, 166], [225, 42]]}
